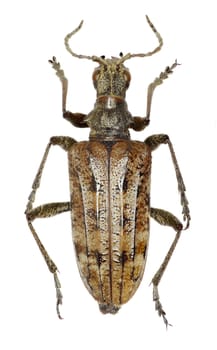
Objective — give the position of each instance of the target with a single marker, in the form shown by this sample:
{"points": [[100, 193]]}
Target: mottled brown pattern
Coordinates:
{"points": [[111, 224], [110, 187]]}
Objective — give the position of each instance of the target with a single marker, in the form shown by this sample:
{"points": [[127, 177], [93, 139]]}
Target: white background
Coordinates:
{"points": [[184, 107]]}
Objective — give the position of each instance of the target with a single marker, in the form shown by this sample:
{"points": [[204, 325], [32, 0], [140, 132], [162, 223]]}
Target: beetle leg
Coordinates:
{"points": [[164, 217], [44, 211], [140, 123], [77, 119], [60, 73], [62, 141], [153, 142], [47, 210]]}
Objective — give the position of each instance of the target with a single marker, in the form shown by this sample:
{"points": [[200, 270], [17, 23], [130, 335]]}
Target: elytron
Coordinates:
{"points": [[109, 178]]}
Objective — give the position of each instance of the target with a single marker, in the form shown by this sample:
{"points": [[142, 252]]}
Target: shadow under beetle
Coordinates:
{"points": [[109, 178]]}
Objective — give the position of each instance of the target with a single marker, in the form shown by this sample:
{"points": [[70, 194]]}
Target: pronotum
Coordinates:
{"points": [[109, 178]]}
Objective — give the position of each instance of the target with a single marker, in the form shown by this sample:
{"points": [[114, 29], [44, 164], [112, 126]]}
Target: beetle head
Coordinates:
{"points": [[111, 77]]}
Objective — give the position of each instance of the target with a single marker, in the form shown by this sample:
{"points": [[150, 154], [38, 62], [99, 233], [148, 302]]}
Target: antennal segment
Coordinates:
{"points": [[150, 53], [66, 41]]}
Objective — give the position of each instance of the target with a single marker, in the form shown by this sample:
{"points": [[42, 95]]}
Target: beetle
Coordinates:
{"points": [[109, 178]]}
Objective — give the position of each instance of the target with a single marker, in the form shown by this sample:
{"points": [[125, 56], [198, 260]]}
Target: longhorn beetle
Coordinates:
{"points": [[109, 178]]}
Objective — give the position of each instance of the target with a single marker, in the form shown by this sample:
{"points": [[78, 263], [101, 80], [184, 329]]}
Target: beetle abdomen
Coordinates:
{"points": [[109, 184]]}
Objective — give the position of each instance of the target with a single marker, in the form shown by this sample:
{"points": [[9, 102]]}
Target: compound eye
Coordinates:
{"points": [[96, 74], [127, 78]]}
